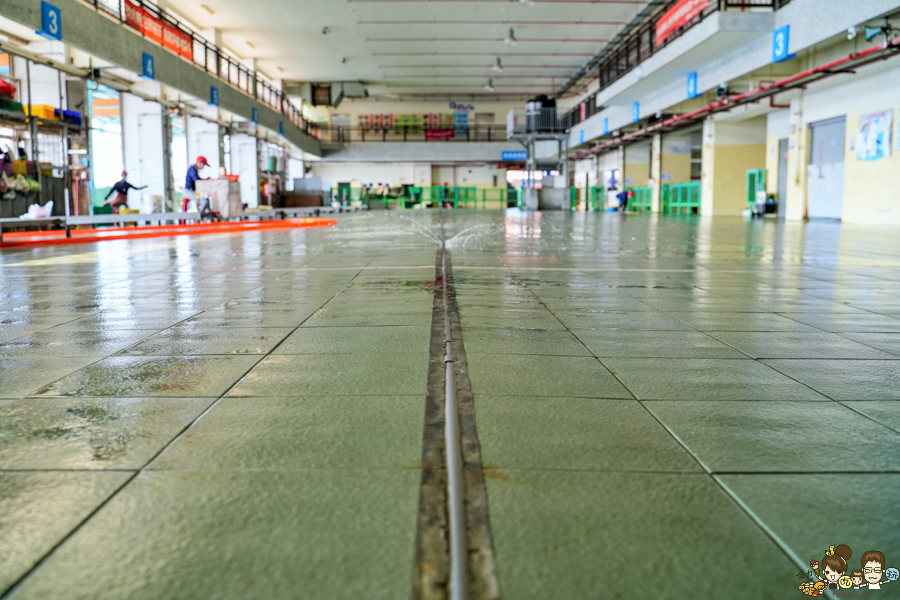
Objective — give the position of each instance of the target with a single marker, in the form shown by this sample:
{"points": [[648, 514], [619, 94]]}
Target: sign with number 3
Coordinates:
{"points": [[780, 42], [51, 21]]}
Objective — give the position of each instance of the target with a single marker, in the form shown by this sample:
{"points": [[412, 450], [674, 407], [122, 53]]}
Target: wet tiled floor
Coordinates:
{"points": [[667, 408]]}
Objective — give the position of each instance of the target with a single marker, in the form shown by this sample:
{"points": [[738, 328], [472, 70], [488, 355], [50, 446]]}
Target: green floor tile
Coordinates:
{"points": [[639, 321], [22, 376], [575, 434], [530, 375], [863, 507], [336, 375], [627, 535], [308, 534], [741, 321], [247, 318], [851, 323], [194, 338], [38, 510], [139, 376], [886, 412], [706, 379], [69, 344], [654, 344], [91, 433], [308, 432], [358, 340], [886, 342], [762, 436], [846, 379], [501, 340], [781, 344]]}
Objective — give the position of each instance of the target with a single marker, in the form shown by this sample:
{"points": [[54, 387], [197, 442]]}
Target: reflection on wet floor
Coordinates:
{"points": [[241, 416]]}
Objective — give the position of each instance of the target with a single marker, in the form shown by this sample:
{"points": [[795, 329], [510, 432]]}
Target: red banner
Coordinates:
{"points": [[677, 17], [158, 31], [439, 134]]}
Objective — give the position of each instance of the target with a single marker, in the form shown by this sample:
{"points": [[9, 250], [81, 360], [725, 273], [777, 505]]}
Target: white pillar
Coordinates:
{"points": [[656, 173], [244, 162], [203, 140], [142, 144]]}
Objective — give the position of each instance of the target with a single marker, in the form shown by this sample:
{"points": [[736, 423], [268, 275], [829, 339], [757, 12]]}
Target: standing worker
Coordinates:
{"points": [[190, 183], [121, 188]]}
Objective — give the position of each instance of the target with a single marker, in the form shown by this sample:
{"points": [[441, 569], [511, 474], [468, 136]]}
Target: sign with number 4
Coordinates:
{"points": [[149, 70]]}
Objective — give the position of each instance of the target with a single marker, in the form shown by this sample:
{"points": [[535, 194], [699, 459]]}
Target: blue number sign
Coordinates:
{"points": [[149, 66], [514, 155], [780, 42], [581, 136], [51, 21], [213, 95], [692, 86], [635, 112], [605, 126], [280, 127], [254, 115]]}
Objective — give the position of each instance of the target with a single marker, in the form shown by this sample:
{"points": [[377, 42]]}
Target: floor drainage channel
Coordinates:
{"points": [[454, 551]]}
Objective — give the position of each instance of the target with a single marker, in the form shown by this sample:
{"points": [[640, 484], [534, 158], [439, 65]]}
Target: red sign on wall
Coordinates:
{"points": [[162, 33], [677, 17]]}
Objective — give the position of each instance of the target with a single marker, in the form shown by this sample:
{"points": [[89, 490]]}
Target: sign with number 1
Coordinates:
{"points": [[692, 86], [51, 21]]}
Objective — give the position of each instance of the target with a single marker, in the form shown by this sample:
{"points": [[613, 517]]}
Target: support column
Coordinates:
{"points": [[798, 158], [203, 140], [142, 146], [655, 173], [245, 163]]}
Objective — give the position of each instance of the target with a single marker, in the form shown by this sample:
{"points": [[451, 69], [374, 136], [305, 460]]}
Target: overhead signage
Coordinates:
{"points": [[160, 32], [148, 66], [605, 126], [461, 107], [51, 21], [254, 115], [213, 95], [514, 155], [781, 39], [692, 86], [677, 17], [280, 127], [635, 112]]}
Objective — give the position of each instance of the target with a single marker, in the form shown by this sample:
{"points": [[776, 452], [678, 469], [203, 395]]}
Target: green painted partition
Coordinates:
{"points": [[680, 198], [642, 200], [756, 182]]}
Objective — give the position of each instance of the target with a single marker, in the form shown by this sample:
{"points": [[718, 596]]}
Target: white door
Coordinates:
{"points": [[826, 170]]}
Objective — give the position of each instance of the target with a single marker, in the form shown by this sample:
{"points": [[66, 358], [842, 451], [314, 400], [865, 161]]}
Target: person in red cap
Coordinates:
{"points": [[190, 183], [121, 189]]}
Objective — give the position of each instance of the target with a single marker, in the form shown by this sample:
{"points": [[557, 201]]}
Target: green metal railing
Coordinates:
{"points": [[592, 196], [642, 200], [680, 198], [756, 182]]}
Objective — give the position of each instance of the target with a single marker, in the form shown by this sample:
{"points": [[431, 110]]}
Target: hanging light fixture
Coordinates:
{"points": [[498, 66], [511, 37], [490, 85]]}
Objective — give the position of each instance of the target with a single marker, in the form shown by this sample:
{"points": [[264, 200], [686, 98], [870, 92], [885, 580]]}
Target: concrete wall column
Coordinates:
{"points": [[798, 158], [655, 172], [245, 163], [203, 139], [142, 145]]}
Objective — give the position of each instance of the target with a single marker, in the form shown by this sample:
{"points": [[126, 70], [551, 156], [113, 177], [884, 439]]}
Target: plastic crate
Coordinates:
{"points": [[69, 116], [11, 105], [7, 89], [42, 111]]}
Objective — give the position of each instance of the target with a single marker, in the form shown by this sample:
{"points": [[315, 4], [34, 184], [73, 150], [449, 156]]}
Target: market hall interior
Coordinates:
{"points": [[449, 300]]}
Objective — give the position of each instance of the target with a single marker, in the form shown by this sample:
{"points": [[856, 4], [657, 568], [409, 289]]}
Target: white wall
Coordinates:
{"points": [[244, 164]]}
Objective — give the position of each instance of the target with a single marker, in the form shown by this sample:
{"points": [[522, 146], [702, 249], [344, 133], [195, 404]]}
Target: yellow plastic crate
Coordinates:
{"points": [[42, 111]]}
